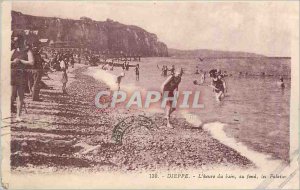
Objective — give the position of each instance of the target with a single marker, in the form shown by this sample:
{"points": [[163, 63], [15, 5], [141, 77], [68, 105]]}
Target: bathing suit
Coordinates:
{"points": [[18, 73], [219, 85]]}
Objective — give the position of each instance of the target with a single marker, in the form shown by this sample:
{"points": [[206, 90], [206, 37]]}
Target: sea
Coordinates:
{"points": [[255, 110]]}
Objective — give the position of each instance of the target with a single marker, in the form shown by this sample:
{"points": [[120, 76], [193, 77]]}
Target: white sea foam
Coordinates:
{"points": [[109, 79], [216, 129]]}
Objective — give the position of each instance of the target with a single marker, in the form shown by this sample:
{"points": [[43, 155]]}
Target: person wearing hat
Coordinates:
{"points": [[213, 72], [37, 70], [170, 86], [21, 57]]}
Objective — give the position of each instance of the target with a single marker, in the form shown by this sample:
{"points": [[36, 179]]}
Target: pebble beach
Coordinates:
{"points": [[68, 132]]}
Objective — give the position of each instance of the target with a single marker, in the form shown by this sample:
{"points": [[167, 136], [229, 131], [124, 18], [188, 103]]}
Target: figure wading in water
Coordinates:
{"points": [[218, 85], [170, 86]]}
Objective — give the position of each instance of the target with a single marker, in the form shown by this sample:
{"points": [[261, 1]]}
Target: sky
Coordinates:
{"points": [[257, 27]]}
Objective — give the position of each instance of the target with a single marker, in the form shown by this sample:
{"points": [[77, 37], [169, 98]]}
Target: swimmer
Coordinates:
{"points": [[172, 70], [281, 83], [171, 85], [219, 86]]}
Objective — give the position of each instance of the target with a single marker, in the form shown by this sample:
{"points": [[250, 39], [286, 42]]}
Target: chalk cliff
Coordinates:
{"points": [[97, 35]]}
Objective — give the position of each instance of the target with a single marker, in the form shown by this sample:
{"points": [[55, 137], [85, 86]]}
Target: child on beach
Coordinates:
{"points": [[119, 78]]}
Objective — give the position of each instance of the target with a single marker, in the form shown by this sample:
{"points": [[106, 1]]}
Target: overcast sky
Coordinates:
{"points": [[258, 27]]}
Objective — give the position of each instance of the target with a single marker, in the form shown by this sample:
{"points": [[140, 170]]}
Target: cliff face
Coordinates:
{"points": [[96, 35]]}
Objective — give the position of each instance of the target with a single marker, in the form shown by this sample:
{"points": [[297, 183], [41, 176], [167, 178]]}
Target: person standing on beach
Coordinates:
{"points": [[170, 86], [72, 61], [64, 78], [21, 56], [79, 58], [137, 72], [37, 70], [127, 66], [124, 66], [119, 78], [203, 76]]}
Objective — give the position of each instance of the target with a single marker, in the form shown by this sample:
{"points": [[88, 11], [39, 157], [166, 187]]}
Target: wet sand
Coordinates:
{"points": [[67, 132]]}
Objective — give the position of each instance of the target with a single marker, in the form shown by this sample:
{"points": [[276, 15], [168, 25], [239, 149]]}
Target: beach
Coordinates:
{"points": [[255, 111], [150, 95], [67, 132]]}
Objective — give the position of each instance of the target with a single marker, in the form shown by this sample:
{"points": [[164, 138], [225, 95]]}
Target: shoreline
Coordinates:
{"points": [[215, 128], [74, 135]]}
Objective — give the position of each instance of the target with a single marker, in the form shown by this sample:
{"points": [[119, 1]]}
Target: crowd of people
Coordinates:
{"points": [[165, 70], [171, 85], [29, 63], [218, 85], [125, 67], [26, 72]]}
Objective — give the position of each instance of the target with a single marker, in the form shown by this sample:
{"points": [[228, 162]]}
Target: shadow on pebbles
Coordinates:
{"points": [[66, 132]]}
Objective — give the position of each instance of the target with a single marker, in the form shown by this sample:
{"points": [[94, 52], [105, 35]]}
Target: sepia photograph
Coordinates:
{"points": [[150, 95]]}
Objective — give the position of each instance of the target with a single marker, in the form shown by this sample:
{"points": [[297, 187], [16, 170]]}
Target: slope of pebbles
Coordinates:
{"points": [[66, 132]]}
